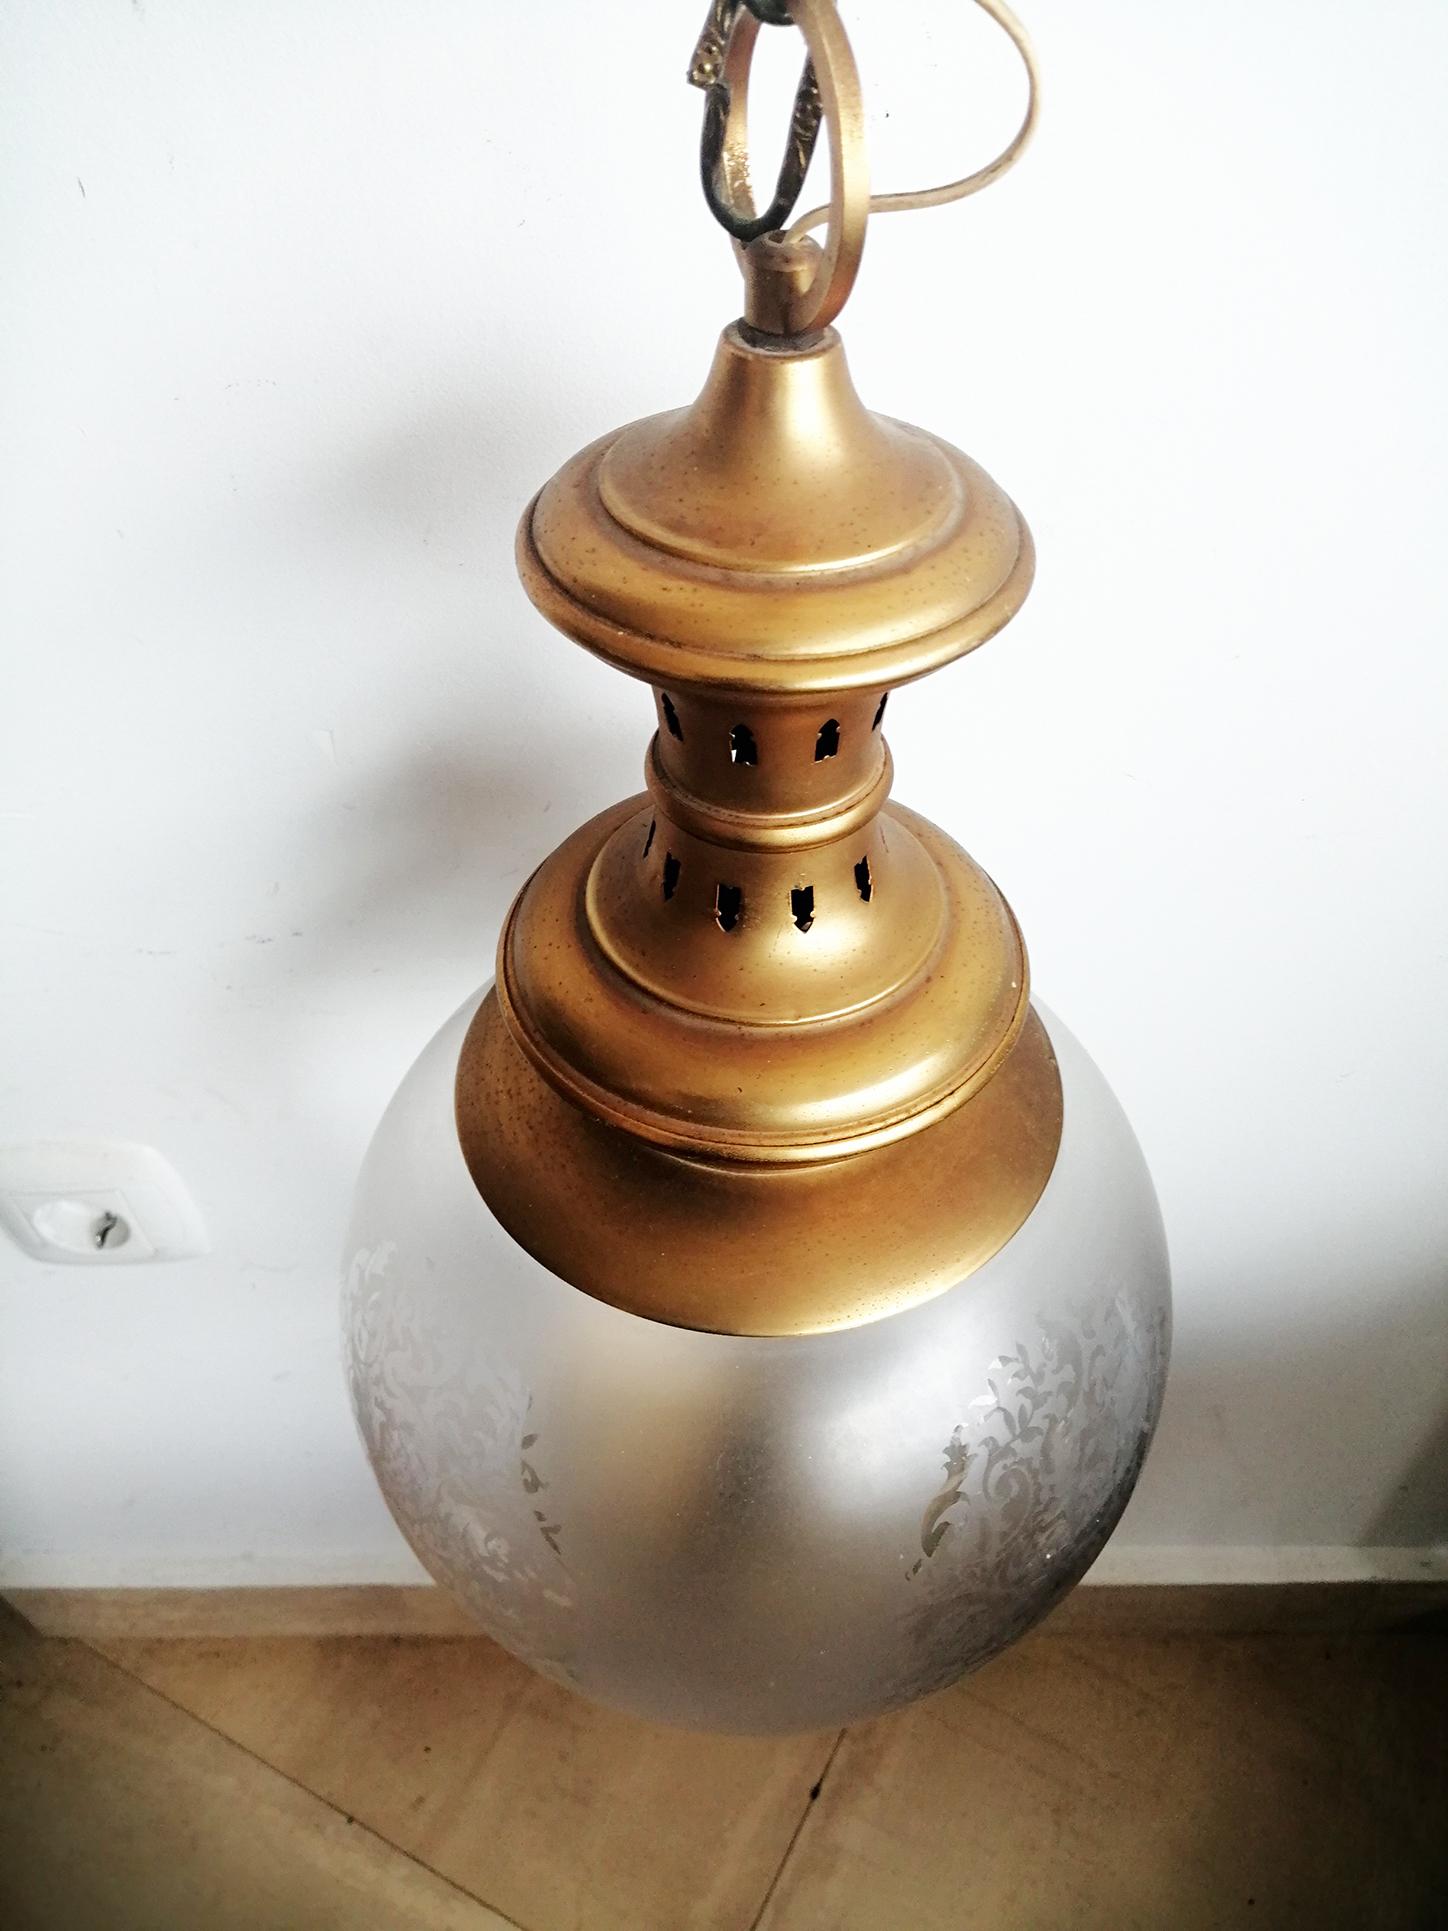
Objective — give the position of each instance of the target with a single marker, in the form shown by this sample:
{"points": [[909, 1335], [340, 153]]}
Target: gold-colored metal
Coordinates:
{"points": [[775, 537], [889, 204], [829, 89], [747, 1249], [760, 1057], [724, 150]]}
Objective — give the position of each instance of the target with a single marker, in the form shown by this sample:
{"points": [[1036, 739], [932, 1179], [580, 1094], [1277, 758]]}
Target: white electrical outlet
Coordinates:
{"points": [[97, 1203]]}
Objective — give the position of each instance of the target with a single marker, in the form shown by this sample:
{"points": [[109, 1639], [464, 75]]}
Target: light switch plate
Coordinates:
{"points": [[97, 1203]]}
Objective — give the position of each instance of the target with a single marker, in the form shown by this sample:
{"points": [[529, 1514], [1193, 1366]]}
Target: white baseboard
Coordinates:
{"points": [[1188, 1591], [1121, 1565], [1195, 1565], [285, 1569]]}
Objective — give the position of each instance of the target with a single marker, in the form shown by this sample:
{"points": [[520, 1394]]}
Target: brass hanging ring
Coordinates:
{"points": [[829, 91], [720, 66], [888, 204]]}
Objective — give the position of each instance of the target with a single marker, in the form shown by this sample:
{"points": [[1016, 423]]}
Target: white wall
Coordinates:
{"points": [[302, 301]]}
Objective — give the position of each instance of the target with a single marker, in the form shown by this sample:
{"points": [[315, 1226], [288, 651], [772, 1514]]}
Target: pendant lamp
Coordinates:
{"points": [[756, 1306]]}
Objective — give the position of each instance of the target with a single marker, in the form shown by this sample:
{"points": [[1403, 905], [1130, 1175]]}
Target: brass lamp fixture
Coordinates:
{"points": [[757, 1308]]}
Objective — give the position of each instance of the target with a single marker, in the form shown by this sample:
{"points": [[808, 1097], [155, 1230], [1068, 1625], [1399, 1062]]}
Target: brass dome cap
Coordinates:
{"points": [[775, 536]]}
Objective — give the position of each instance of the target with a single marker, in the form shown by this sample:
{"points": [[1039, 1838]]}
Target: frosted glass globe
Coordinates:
{"points": [[754, 1534]]}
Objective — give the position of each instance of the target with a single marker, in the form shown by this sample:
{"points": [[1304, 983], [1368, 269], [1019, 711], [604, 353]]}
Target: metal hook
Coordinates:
{"points": [[828, 94], [724, 143], [828, 97]]}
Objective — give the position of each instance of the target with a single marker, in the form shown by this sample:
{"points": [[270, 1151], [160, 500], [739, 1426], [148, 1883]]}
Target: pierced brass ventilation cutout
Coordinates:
{"points": [[728, 906], [742, 748]]}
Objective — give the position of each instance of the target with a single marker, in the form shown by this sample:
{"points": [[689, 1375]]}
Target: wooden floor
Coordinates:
{"points": [[1297, 1781]]}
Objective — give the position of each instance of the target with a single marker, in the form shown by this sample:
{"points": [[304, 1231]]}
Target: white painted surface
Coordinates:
{"points": [[301, 303]]}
